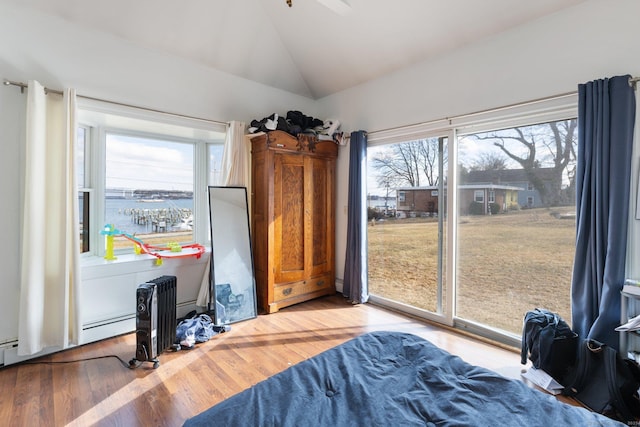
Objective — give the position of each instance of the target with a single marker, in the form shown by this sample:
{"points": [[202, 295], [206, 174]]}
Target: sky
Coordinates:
{"points": [[141, 163]]}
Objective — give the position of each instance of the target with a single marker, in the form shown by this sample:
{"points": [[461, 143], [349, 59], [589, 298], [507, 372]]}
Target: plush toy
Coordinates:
{"points": [[271, 122], [340, 138], [331, 126]]}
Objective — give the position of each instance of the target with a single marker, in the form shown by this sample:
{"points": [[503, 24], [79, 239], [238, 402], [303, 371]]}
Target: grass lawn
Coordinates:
{"points": [[508, 264]]}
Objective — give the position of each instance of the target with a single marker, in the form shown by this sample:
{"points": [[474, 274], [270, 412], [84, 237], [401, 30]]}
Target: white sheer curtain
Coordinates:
{"points": [[236, 157], [236, 172], [50, 272]]}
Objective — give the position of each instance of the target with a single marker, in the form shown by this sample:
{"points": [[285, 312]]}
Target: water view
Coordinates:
{"points": [[155, 215]]}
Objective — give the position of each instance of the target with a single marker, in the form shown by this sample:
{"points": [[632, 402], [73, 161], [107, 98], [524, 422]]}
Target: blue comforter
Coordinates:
{"points": [[392, 379]]}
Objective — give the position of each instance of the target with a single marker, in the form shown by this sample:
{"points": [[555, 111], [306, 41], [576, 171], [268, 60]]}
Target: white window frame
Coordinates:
{"points": [[86, 186], [478, 196], [543, 110], [103, 117]]}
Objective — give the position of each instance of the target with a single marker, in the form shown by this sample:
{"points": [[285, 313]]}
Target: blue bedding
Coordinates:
{"points": [[390, 378]]}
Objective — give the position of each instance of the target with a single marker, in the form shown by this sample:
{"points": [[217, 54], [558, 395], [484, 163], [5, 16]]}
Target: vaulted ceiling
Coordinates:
{"points": [[313, 48]]}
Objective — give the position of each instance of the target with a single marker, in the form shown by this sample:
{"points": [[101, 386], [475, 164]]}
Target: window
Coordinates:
{"points": [[82, 138], [215, 163], [84, 192], [146, 174], [483, 265], [149, 188], [406, 251], [516, 259]]}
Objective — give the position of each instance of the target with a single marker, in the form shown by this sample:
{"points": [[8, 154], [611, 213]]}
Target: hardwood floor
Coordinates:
{"points": [[103, 392]]}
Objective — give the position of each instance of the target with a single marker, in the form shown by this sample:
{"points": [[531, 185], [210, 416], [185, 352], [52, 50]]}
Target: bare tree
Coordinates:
{"points": [[552, 144], [489, 162], [409, 163]]}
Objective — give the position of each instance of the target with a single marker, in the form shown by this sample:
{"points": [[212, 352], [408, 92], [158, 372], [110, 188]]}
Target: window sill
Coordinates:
{"points": [[96, 267]]}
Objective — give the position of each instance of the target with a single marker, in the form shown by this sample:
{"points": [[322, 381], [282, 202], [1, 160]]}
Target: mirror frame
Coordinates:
{"points": [[239, 298]]}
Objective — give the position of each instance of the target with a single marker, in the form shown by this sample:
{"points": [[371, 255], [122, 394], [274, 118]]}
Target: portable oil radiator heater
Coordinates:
{"points": [[155, 319]]}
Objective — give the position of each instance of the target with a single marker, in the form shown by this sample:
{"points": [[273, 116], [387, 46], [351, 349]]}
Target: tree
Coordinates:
{"points": [[489, 162], [410, 163], [549, 145]]}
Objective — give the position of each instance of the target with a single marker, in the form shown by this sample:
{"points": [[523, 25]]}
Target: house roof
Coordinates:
{"points": [[314, 48], [506, 176], [463, 187]]}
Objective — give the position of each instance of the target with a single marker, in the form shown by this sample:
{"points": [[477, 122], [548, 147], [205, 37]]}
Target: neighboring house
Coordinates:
{"points": [[528, 195], [423, 201], [505, 197], [417, 201]]}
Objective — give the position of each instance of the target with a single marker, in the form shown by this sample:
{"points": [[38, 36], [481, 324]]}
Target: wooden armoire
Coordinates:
{"points": [[293, 215]]}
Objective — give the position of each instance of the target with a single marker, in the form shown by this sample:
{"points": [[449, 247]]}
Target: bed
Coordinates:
{"points": [[391, 378]]}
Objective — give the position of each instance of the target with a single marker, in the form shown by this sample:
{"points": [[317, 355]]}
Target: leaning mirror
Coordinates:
{"points": [[233, 283]]}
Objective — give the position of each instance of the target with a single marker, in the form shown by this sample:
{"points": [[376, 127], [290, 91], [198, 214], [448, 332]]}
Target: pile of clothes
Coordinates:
{"points": [[296, 123], [196, 328]]}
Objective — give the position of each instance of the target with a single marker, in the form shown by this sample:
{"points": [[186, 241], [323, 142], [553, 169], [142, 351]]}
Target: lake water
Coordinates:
{"points": [[133, 216]]}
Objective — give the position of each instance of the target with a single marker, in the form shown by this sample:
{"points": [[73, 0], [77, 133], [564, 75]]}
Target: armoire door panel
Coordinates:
{"points": [[259, 217], [320, 225], [289, 221]]}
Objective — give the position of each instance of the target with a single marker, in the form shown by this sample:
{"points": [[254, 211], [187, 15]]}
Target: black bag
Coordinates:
{"points": [[549, 342], [605, 382]]}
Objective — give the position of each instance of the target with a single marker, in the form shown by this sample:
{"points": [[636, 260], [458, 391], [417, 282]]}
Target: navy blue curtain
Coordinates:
{"points": [[355, 267], [606, 115]]}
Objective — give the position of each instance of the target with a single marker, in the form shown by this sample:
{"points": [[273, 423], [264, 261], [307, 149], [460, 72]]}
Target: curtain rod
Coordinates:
{"points": [[24, 86], [476, 113]]}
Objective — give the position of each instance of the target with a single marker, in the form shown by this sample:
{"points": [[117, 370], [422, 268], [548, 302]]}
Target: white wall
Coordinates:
{"points": [[548, 57]]}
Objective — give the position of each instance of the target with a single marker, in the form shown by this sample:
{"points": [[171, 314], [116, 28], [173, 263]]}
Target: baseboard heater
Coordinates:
{"points": [[155, 319]]}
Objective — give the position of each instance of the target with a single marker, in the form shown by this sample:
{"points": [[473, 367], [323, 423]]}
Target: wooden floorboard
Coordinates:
{"points": [[103, 392]]}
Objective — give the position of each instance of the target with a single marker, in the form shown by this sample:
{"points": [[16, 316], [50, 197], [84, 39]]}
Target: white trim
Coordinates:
{"points": [[11, 356], [449, 286], [409, 309], [136, 116], [528, 113], [408, 133]]}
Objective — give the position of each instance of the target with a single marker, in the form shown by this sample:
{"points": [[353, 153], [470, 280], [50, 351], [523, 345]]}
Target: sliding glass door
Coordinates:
{"points": [[406, 203], [516, 223], [471, 220]]}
